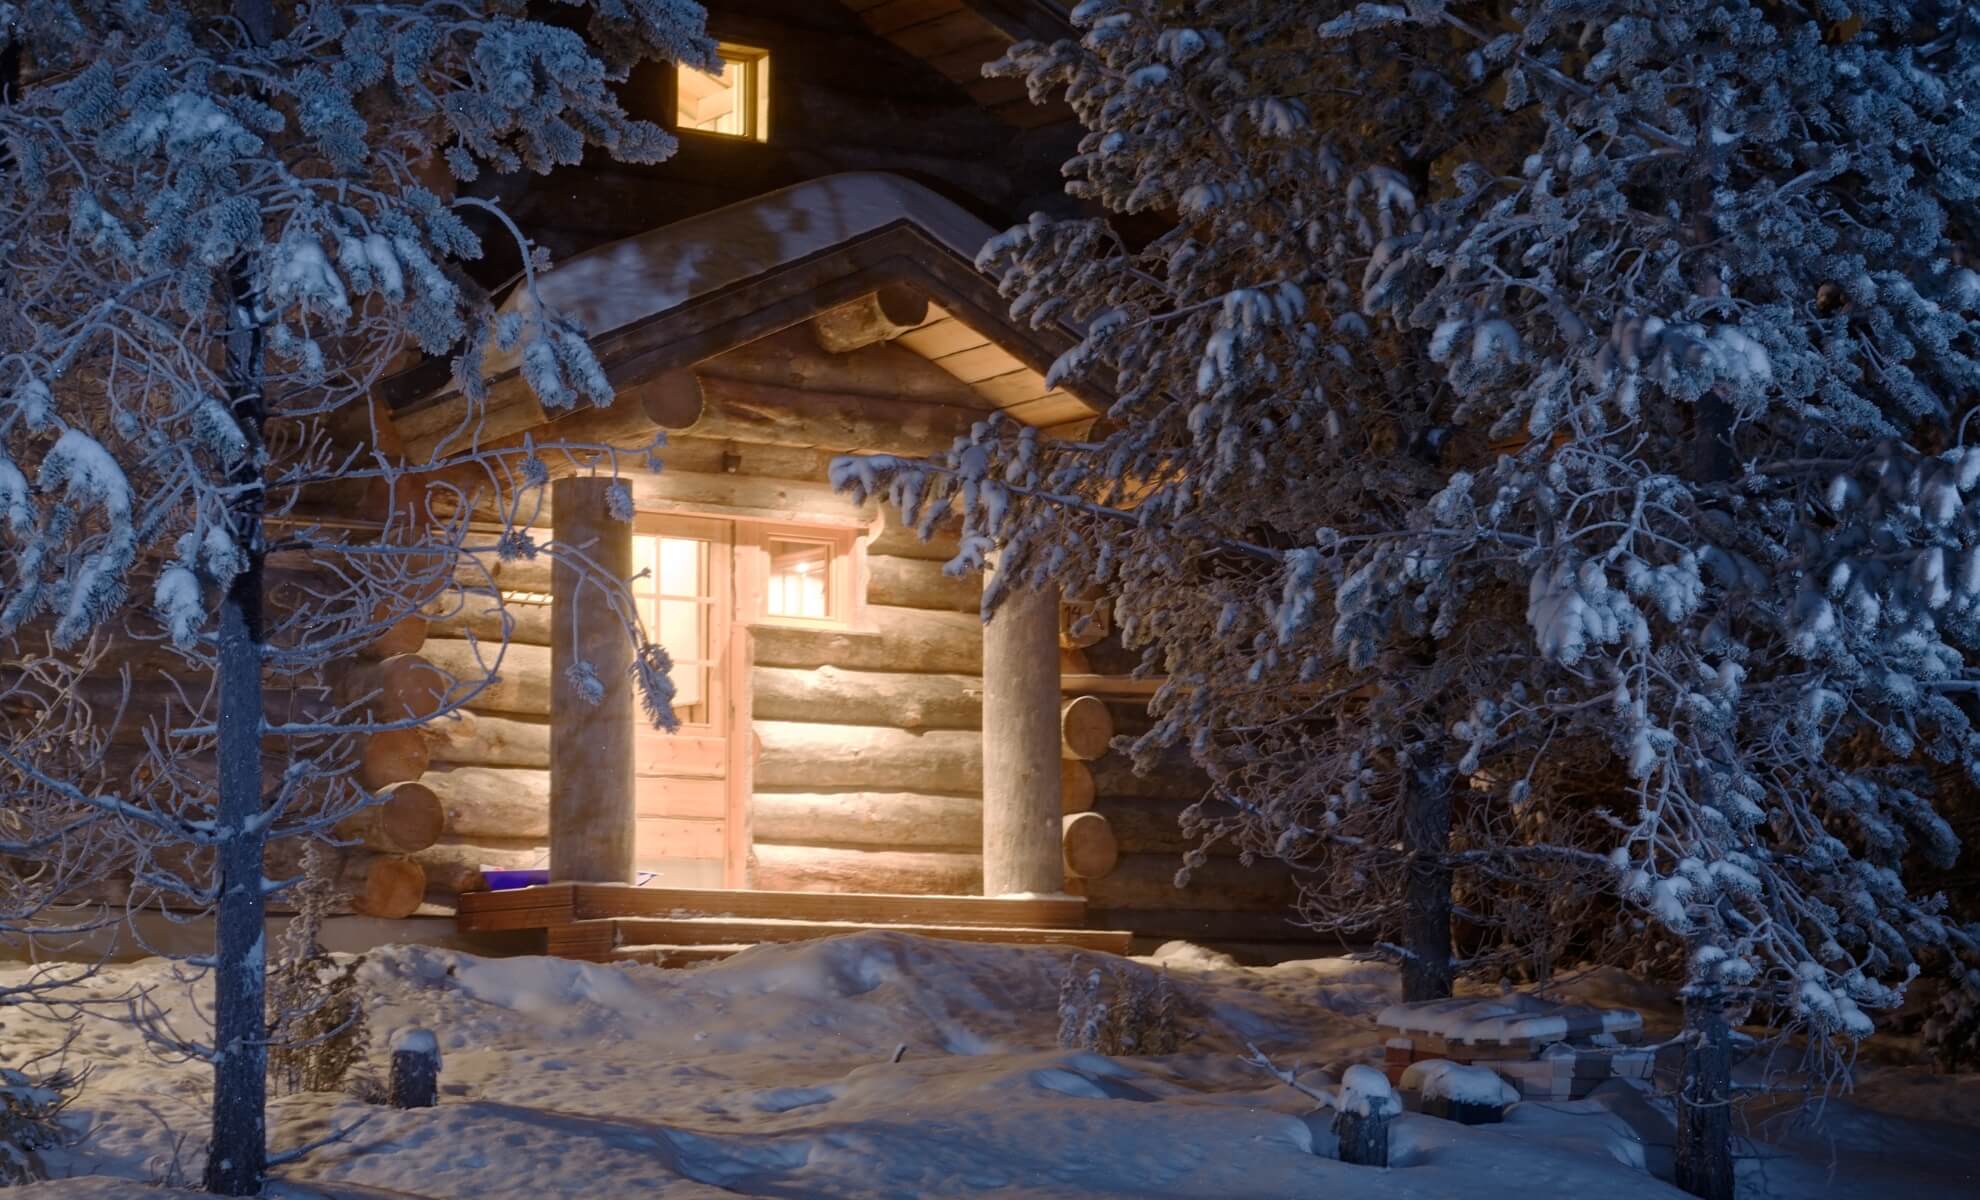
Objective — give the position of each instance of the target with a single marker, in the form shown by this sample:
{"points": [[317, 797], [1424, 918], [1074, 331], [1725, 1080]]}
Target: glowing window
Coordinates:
{"points": [[733, 101], [674, 597], [800, 579]]}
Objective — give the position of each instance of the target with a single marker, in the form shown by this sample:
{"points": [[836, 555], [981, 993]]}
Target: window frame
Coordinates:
{"points": [[754, 90], [845, 597]]}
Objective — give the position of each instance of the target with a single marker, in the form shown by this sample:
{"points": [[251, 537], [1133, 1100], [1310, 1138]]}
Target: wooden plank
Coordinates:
{"points": [[941, 337], [1110, 685], [518, 908], [599, 900], [678, 796], [984, 362], [967, 63], [678, 837], [729, 930], [1053, 408], [588, 941], [669, 957], [1012, 387]]}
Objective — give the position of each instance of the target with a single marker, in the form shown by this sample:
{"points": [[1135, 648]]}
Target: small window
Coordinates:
{"points": [[800, 580], [733, 101], [804, 576]]}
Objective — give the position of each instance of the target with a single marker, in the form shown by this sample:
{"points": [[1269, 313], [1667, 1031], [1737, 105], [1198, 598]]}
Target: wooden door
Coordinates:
{"points": [[685, 599]]}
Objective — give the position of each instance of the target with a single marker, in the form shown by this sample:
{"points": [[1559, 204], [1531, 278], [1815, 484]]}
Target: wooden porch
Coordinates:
{"points": [[606, 922]]}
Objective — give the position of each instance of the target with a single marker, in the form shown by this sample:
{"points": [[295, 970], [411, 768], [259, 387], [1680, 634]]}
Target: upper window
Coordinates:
{"points": [[734, 101], [804, 576]]}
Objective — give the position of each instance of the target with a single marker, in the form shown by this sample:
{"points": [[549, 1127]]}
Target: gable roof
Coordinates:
{"points": [[957, 37], [686, 292]]}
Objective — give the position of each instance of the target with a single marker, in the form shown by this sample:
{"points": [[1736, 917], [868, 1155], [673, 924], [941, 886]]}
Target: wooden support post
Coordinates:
{"points": [[1021, 744], [591, 745]]}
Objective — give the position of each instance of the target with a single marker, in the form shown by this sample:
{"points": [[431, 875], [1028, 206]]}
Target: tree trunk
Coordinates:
{"points": [[1426, 971], [237, 1155], [1704, 1133]]}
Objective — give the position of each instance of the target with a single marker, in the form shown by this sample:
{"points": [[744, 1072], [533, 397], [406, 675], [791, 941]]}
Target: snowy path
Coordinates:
{"points": [[770, 1076]]}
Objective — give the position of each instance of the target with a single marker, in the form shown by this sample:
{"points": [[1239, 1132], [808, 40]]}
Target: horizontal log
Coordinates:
{"points": [[1085, 728], [472, 739], [1174, 777], [743, 496], [867, 758], [522, 624], [384, 885], [403, 636], [405, 817], [907, 638], [521, 680], [891, 536], [454, 865], [508, 803], [1087, 840], [920, 583], [1075, 786], [636, 415], [867, 698], [821, 869], [742, 411], [1154, 826], [402, 687], [393, 756], [880, 317], [872, 819], [1143, 881]]}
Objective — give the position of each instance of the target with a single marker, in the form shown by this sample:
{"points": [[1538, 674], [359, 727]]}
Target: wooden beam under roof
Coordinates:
{"points": [[957, 37]]}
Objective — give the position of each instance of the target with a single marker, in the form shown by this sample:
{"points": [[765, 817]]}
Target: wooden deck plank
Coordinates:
{"points": [[599, 900], [730, 931], [517, 908]]}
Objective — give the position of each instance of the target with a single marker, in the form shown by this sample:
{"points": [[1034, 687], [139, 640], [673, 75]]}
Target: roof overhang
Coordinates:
{"points": [[687, 292]]}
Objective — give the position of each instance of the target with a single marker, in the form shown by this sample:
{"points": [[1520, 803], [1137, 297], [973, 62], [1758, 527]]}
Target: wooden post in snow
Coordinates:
{"points": [[591, 745], [415, 1081], [1021, 746]]}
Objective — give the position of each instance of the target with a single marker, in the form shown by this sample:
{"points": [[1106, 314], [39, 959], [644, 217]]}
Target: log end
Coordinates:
{"points": [[1091, 851], [1086, 727], [672, 400], [389, 886]]}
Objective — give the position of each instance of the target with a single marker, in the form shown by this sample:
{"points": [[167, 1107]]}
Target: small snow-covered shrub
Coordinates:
{"points": [[1119, 1011], [315, 1011], [30, 1120]]}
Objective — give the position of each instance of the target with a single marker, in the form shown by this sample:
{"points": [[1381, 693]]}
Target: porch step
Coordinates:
{"points": [[559, 903], [699, 931]]}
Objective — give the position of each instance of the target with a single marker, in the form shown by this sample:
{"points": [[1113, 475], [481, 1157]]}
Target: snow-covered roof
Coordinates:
{"points": [[615, 285], [638, 278]]}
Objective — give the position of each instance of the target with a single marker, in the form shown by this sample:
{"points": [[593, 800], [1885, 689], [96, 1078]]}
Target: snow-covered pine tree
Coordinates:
{"points": [[1560, 408], [224, 221]]}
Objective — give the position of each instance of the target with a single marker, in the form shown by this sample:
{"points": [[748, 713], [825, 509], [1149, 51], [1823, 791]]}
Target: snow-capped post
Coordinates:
{"points": [[1021, 745], [591, 688], [415, 1079], [1364, 1105]]}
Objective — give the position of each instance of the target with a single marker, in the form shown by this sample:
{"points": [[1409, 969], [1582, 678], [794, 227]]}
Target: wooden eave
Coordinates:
{"points": [[790, 293]]}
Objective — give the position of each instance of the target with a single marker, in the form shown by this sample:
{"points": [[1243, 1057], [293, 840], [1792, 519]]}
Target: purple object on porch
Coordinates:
{"points": [[509, 880], [503, 881]]}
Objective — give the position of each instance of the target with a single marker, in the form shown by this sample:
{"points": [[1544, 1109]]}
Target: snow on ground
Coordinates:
{"points": [[772, 1075]]}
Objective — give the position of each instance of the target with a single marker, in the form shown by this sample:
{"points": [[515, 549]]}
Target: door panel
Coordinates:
{"points": [[685, 601]]}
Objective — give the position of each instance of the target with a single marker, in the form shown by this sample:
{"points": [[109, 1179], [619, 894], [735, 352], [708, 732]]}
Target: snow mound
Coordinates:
{"points": [[1440, 1079]]}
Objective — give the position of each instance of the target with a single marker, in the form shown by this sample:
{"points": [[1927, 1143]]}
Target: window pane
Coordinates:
{"points": [[681, 563], [719, 102], [800, 577], [682, 632]]}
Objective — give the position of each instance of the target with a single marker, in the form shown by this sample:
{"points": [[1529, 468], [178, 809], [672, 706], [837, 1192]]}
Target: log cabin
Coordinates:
{"points": [[858, 746]]}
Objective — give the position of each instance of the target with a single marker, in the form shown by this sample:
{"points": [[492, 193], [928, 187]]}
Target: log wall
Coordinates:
{"points": [[870, 772]]}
